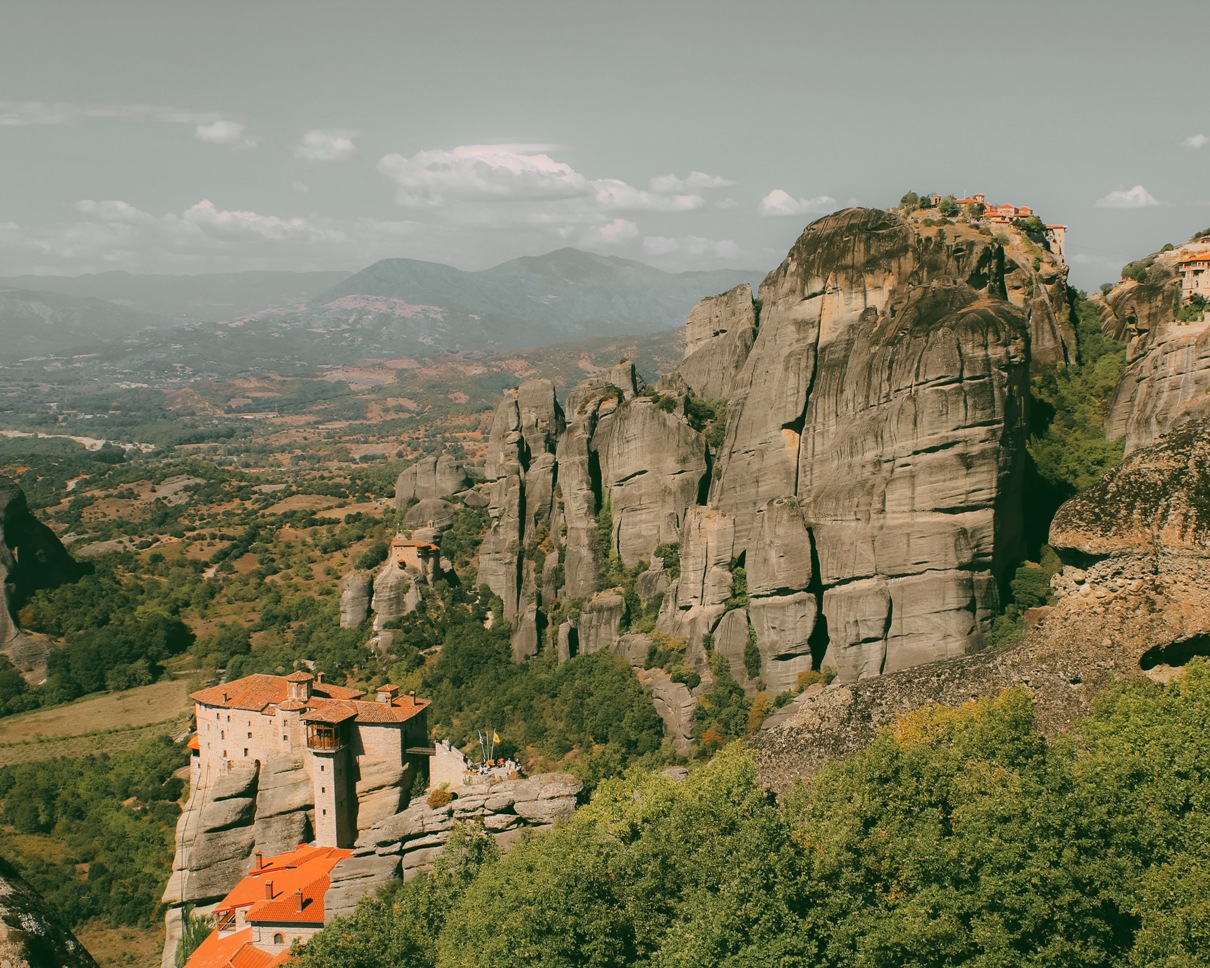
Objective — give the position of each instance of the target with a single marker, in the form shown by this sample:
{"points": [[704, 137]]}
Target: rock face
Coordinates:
{"points": [[1167, 362], [266, 808], [409, 841], [430, 478], [30, 934], [1133, 598], [858, 504], [31, 557], [1157, 501], [355, 590]]}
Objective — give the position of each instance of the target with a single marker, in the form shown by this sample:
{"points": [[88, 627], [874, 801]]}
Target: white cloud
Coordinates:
{"points": [[19, 113], [439, 177], [1196, 141], [615, 195], [1137, 197], [619, 230], [326, 146], [114, 211], [779, 202], [224, 133], [695, 180]]}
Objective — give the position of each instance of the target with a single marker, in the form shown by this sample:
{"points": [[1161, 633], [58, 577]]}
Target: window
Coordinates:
{"points": [[325, 813], [323, 789], [222, 734], [249, 736], [278, 939], [245, 751]]}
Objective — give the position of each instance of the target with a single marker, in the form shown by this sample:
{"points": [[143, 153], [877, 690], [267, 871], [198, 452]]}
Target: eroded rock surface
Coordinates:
{"points": [[409, 841], [31, 557], [1167, 375], [31, 936]]}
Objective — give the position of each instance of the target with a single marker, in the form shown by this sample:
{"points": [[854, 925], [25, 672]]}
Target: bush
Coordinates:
{"points": [[440, 797]]}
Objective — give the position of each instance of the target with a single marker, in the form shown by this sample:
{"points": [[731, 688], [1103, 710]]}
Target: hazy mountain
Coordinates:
{"points": [[288, 321], [36, 323], [199, 298], [566, 294]]}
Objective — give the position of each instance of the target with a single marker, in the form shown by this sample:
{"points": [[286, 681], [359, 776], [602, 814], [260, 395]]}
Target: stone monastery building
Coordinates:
{"points": [[1194, 269], [334, 729], [280, 901]]}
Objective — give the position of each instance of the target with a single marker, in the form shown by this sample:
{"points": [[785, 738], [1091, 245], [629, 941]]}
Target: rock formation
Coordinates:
{"points": [[408, 842], [429, 478], [864, 497], [1167, 362], [1133, 598], [31, 557], [30, 934]]}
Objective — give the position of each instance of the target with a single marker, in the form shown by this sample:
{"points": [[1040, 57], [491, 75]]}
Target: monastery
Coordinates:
{"points": [[333, 728], [1056, 235], [1194, 269], [279, 902]]}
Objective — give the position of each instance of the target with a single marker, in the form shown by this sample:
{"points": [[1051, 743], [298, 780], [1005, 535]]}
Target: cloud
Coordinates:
{"points": [[440, 177], [224, 133], [1196, 141], [619, 230], [695, 180], [615, 195], [779, 202], [1137, 197], [114, 211], [20, 113], [326, 146]]}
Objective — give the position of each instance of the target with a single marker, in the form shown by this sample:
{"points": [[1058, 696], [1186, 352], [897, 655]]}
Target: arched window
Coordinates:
{"points": [[278, 939]]}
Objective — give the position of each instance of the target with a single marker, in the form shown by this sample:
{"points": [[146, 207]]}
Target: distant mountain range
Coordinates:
{"points": [[224, 322]]}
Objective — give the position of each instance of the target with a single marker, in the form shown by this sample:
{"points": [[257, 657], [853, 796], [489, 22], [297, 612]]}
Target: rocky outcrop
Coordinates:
{"points": [[355, 590], [1156, 502], [31, 935], [718, 336], [430, 477], [1133, 598], [409, 841], [31, 557], [865, 496], [1167, 373]]}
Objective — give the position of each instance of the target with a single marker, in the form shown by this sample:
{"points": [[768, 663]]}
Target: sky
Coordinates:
{"points": [[173, 137]]}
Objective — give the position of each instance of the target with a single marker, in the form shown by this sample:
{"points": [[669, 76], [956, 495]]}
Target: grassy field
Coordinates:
{"points": [[105, 724]]}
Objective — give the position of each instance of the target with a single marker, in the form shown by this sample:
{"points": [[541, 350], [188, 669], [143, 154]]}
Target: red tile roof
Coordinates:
{"points": [[194, 743], [299, 676], [286, 872], [233, 951], [257, 691]]}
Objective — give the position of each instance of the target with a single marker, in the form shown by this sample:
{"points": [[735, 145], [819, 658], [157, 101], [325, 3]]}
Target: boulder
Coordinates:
{"points": [[430, 512]]}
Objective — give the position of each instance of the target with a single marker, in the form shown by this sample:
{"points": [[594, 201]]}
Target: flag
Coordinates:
{"points": [[495, 737]]}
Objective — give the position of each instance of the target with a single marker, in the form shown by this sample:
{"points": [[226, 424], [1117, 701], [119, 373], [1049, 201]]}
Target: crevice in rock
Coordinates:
{"points": [[818, 640], [1175, 653], [886, 633]]}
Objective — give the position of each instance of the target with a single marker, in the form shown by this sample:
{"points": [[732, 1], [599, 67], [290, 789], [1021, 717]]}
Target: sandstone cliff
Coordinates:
{"points": [[1167, 362], [1133, 598], [30, 934], [863, 499], [31, 557]]}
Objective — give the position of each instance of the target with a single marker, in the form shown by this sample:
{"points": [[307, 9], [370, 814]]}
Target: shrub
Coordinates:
{"points": [[440, 797]]}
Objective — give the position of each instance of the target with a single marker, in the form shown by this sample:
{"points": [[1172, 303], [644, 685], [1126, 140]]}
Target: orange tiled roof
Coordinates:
{"points": [[288, 873], [259, 690], [299, 676], [233, 951], [285, 909], [330, 712], [1194, 257], [193, 743]]}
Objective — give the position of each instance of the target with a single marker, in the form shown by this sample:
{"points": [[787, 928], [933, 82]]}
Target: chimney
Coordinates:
{"points": [[387, 693], [268, 890], [298, 899], [319, 677], [412, 696], [260, 859]]}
